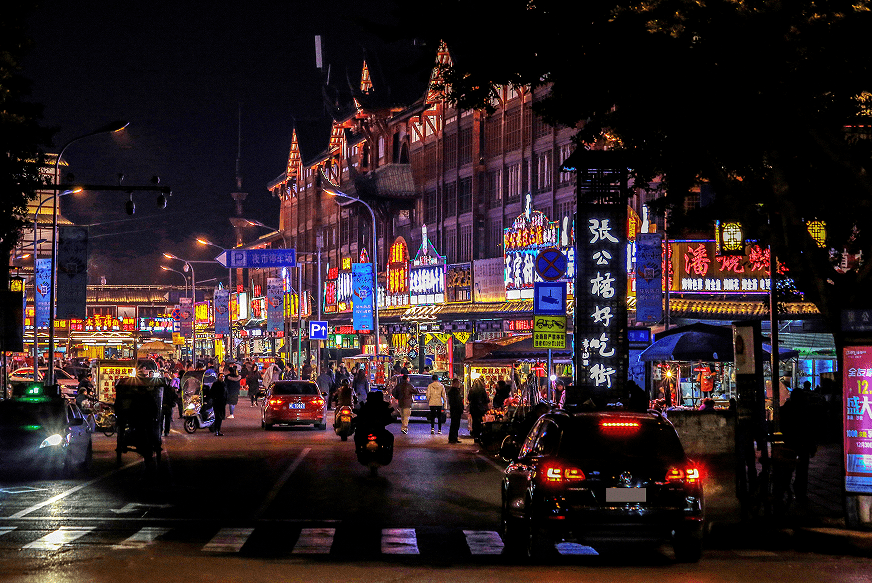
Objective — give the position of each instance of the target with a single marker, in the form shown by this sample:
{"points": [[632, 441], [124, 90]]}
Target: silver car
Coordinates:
{"points": [[420, 407]]}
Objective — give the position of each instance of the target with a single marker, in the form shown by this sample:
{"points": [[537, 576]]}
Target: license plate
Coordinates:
{"points": [[419, 397], [625, 495], [297, 406], [345, 418]]}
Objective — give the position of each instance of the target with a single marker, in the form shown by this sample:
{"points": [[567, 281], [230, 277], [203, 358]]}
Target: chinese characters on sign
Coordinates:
{"points": [[601, 312], [857, 381], [696, 268]]}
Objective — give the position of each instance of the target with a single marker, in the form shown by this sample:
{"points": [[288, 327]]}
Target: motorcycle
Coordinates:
{"points": [[343, 422], [373, 444], [198, 417]]}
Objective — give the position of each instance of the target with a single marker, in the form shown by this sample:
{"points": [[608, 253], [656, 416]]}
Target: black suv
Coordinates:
{"points": [[587, 477]]}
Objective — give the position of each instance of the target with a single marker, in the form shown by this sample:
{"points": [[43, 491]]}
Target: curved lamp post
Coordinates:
{"points": [[185, 277], [334, 191], [115, 126]]}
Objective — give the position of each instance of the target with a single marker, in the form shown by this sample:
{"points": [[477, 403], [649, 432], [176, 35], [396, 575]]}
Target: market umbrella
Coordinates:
{"points": [[696, 342], [156, 346]]}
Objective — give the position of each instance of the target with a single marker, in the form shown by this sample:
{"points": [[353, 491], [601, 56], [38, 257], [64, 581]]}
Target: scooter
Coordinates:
{"points": [[197, 417], [343, 422], [374, 449]]}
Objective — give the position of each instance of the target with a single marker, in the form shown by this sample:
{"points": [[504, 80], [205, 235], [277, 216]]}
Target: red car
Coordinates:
{"points": [[294, 403]]}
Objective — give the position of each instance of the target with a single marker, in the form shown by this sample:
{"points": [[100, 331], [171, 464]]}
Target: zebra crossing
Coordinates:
{"points": [[308, 541]]}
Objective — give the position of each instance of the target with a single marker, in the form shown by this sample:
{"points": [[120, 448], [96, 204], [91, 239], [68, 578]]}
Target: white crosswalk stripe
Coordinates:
{"points": [[62, 536], [228, 540], [399, 541], [144, 537], [483, 542], [315, 541], [6, 529]]}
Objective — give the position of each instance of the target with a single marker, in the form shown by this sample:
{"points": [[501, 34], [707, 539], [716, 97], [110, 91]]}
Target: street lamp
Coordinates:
{"points": [[333, 190], [185, 277], [115, 126]]}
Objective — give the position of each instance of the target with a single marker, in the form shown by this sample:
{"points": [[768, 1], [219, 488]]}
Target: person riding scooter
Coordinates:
{"points": [[373, 444]]}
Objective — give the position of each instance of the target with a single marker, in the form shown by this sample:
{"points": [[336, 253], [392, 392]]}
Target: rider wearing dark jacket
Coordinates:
{"points": [[374, 415]]}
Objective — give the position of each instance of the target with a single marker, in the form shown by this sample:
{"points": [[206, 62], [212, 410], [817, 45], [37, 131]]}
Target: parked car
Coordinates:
{"points": [[42, 433], [420, 407], [587, 477], [68, 383], [294, 403]]}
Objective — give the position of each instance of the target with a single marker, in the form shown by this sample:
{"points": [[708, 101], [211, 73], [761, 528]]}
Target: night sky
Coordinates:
{"points": [[178, 72]]}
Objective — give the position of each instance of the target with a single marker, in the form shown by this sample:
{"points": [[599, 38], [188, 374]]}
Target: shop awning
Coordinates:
{"points": [[521, 351]]}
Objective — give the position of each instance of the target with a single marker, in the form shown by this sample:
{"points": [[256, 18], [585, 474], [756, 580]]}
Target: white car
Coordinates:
{"points": [[68, 383]]}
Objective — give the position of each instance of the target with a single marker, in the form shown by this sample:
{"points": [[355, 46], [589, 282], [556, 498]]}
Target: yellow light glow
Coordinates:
{"points": [[818, 231], [732, 238]]}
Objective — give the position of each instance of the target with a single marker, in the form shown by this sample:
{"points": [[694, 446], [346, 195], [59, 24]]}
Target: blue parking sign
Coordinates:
{"points": [[317, 330]]}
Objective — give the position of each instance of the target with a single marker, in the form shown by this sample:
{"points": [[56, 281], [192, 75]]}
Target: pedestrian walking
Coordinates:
{"points": [[325, 384], [232, 382], [403, 394], [271, 374], [169, 400], [436, 400], [479, 403], [501, 394], [454, 395], [306, 371], [218, 396], [361, 386], [252, 382], [799, 425]]}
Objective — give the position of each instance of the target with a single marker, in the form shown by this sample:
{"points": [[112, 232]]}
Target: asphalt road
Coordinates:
{"points": [[294, 505]]}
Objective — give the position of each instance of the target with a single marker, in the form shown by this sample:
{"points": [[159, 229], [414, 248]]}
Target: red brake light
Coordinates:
{"points": [[560, 474], [689, 475], [371, 437], [318, 402], [619, 427], [275, 402]]}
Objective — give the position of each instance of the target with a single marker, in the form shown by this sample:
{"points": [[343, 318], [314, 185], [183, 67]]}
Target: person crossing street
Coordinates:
{"points": [[436, 400]]}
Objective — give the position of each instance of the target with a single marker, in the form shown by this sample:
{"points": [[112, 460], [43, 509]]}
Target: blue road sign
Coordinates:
{"points": [[258, 258], [317, 330], [549, 298], [551, 264]]}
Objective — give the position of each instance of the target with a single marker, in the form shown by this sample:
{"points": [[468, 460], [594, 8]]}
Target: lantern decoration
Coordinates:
{"points": [[16, 284], [730, 238], [818, 231]]}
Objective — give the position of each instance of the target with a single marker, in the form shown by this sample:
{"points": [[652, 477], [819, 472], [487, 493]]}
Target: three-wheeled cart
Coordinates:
{"points": [[138, 403]]}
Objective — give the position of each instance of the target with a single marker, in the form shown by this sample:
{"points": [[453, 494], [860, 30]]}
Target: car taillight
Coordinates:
{"points": [[275, 402], [619, 427], [319, 402], [561, 474], [688, 475]]}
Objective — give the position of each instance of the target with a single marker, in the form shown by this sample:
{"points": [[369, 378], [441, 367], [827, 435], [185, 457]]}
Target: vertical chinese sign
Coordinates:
{"points": [[222, 312], [43, 291], [857, 382], [649, 280], [601, 302], [72, 278], [275, 304], [361, 298]]}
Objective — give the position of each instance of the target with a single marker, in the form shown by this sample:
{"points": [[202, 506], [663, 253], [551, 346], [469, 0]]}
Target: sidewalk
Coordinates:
{"points": [[816, 525]]}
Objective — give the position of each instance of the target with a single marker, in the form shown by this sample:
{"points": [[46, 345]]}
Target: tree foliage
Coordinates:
{"points": [[766, 101], [21, 136]]}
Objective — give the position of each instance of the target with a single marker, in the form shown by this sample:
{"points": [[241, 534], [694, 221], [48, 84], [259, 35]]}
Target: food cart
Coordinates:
{"points": [[377, 367], [138, 403]]}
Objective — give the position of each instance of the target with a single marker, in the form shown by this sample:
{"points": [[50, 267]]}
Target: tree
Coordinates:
{"points": [[766, 101], [21, 138]]}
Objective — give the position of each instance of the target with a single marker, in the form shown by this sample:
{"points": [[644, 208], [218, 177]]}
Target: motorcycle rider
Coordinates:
{"points": [[373, 417]]}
